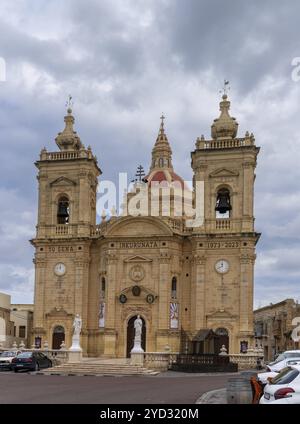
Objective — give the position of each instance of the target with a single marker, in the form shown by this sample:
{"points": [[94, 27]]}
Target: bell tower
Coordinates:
{"points": [[67, 182], [224, 246]]}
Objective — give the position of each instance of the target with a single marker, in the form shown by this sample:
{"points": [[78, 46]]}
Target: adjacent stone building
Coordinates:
{"points": [[273, 327], [22, 317], [187, 282], [6, 325]]}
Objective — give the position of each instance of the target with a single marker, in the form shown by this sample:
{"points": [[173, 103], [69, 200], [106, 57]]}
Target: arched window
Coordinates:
{"points": [[223, 205], [63, 210], [103, 287], [161, 162], [174, 288]]}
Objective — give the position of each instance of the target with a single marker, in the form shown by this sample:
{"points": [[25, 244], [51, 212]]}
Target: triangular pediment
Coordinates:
{"points": [[224, 172], [137, 258], [63, 181]]}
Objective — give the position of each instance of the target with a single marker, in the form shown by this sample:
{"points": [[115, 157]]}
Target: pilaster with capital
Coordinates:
{"points": [[39, 292], [198, 291], [164, 290], [247, 260]]}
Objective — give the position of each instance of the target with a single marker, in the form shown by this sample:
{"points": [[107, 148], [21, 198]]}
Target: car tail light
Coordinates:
{"points": [[282, 393]]}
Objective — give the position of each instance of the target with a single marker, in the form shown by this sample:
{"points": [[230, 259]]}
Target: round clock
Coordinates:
{"points": [[60, 269], [222, 266]]}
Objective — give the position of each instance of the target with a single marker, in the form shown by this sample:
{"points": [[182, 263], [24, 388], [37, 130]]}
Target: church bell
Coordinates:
{"points": [[223, 202]]}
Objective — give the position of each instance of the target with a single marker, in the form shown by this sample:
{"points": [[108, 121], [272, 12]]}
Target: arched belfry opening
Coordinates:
{"points": [[223, 203], [63, 210]]}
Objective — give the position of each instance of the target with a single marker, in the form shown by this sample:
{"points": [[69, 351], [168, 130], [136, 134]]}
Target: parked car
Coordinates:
{"points": [[264, 376], [294, 398], [6, 358], [284, 385], [282, 360], [32, 361]]}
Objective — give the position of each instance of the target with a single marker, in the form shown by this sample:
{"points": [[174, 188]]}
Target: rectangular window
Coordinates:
{"points": [[22, 331], [15, 331]]}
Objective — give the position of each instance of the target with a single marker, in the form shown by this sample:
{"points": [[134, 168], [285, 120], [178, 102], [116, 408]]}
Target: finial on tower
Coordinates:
{"points": [[69, 104], [225, 89], [162, 129]]}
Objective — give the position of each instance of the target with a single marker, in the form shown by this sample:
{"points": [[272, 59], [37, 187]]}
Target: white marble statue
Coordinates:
{"points": [[138, 327], [77, 325]]}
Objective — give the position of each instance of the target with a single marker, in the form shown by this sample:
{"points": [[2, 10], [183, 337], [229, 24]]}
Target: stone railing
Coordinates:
{"points": [[58, 356], [225, 143], [223, 224], [57, 231], [160, 361], [246, 360], [67, 155]]}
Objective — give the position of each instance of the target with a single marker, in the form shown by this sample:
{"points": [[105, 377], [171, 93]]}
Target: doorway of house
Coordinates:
{"points": [[130, 335], [58, 336]]}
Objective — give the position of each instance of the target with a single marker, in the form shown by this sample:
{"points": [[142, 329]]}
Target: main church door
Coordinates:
{"points": [[58, 336], [130, 335]]}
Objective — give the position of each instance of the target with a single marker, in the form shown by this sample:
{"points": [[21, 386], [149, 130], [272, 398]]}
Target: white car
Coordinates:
{"points": [[294, 398], [284, 385], [264, 376], [6, 358], [283, 359]]}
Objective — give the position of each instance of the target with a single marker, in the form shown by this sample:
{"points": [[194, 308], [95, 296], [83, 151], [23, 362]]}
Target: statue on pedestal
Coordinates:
{"points": [[138, 327], [77, 326]]}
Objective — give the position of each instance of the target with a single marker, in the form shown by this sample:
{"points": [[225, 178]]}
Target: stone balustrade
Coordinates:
{"points": [[159, 361], [246, 361]]}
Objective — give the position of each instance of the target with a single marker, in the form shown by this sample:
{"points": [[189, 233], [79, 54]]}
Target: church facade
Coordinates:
{"points": [[192, 286]]}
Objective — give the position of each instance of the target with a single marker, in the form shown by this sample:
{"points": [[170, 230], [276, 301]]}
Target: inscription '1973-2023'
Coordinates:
{"points": [[223, 244]]}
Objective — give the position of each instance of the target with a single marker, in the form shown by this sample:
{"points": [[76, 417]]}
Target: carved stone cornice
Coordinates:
{"points": [[198, 259], [247, 258], [144, 311], [164, 258], [39, 263]]}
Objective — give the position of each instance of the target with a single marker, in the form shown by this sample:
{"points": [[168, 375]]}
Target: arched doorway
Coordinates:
{"points": [[221, 339], [58, 336], [130, 335]]}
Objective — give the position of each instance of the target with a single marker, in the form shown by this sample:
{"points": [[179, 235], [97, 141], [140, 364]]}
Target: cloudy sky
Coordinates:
{"points": [[126, 61]]}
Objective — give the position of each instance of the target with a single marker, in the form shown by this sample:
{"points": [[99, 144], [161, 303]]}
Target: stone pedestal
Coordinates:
{"points": [[137, 358], [75, 355], [75, 344]]}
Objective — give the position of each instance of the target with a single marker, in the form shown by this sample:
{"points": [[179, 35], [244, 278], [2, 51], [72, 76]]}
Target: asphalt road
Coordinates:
{"points": [[167, 388]]}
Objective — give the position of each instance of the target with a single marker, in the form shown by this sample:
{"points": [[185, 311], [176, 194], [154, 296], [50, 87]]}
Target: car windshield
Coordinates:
{"points": [[286, 376], [280, 358], [8, 354], [25, 355]]}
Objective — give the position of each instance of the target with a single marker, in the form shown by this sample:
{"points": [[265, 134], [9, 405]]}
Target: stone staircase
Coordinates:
{"points": [[98, 367]]}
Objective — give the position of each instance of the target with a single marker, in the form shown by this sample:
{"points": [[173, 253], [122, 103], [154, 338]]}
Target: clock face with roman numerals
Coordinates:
{"points": [[60, 269], [222, 266]]}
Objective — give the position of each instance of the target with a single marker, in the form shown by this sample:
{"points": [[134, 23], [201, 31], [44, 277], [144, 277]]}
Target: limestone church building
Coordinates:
{"points": [[191, 286]]}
